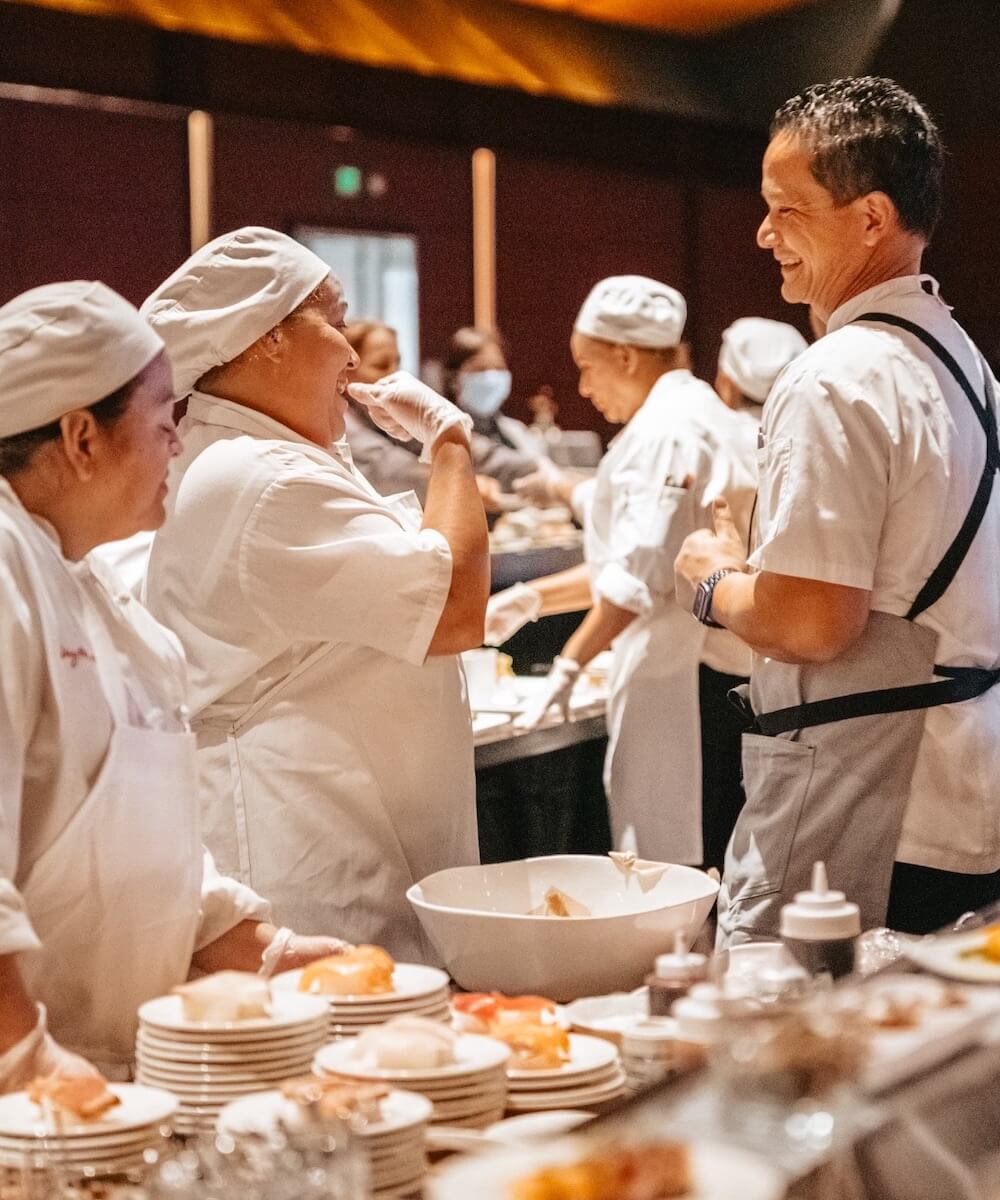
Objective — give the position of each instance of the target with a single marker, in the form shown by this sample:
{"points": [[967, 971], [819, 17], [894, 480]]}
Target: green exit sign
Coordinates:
{"points": [[347, 181]]}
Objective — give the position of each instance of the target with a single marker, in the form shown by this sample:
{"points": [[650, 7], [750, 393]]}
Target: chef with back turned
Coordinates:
{"points": [[872, 598]]}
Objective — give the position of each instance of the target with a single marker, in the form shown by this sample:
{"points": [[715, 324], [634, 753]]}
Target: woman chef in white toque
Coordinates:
{"points": [[680, 448], [106, 897], [321, 621]]}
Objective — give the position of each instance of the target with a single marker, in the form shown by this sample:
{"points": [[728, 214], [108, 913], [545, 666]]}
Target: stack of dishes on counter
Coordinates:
{"points": [[592, 1076], [391, 1125], [47, 1134], [463, 1075], [229, 1038], [365, 987]]}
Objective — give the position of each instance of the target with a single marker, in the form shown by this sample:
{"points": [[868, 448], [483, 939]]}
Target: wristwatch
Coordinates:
{"points": [[703, 596]]}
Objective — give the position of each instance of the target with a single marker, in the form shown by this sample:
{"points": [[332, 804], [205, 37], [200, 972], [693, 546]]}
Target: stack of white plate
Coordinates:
{"points": [[472, 1091], [394, 1144], [417, 991], [592, 1076], [208, 1064], [114, 1143]]}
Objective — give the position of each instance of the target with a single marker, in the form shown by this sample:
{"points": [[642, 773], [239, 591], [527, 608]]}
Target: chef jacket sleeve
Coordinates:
{"points": [[21, 658], [224, 904], [824, 481], [652, 512], [322, 561]]}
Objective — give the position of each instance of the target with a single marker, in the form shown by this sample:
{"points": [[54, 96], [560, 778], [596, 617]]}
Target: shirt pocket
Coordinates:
{"points": [[774, 488]]}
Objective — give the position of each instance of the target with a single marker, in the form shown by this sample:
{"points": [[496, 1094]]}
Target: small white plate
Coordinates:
{"points": [[586, 1054], [288, 1009], [199, 1052], [139, 1107], [591, 1080], [474, 1055], [364, 1017], [721, 1172], [529, 1127], [571, 1097], [261, 1113], [409, 981], [610, 1016], [945, 954]]}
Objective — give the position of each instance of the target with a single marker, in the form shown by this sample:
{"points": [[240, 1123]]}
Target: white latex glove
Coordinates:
{"points": [[508, 611], [288, 950], [39, 1054], [406, 408], [541, 486], [558, 688]]}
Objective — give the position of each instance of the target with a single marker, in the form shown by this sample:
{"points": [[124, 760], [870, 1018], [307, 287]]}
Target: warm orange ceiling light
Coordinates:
{"points": [[670, 16]]}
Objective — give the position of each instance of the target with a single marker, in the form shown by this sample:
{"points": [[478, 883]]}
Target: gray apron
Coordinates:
{"points": [[819, 789]]}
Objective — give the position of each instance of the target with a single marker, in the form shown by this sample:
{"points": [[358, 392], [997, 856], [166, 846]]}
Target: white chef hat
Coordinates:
{"points": [[633, 311], [66, 346], [755, 351], [227, 295]]}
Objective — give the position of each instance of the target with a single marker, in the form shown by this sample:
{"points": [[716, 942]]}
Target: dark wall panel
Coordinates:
{"points": [[280, 174], [561, 227], [90, 193]]}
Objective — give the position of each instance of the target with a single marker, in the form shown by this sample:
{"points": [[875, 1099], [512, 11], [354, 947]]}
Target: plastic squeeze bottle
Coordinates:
{"points": [[674, 975], [820, 928]]}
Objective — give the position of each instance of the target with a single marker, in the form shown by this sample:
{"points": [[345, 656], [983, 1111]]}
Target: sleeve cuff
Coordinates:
{"points": [[16, 932], [224, 904], [772, 558], [616, 585]]}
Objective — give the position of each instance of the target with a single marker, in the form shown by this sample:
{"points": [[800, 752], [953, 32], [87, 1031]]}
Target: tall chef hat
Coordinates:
{"points": [[227, 295], [66, 346], [755, 351], [633, 311]]}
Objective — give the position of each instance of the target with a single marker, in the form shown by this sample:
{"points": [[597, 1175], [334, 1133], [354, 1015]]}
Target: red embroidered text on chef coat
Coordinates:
{"points": [[76, 655]]}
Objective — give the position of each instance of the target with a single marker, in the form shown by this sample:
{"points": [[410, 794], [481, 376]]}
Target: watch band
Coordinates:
{"points": [[702, 609]]}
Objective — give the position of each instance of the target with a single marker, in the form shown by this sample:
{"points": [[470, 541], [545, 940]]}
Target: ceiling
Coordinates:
{"points": [[670, 16]]}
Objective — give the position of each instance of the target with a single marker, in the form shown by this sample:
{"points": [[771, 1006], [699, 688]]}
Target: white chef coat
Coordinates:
{"points": [[336, 757], [127, 558], [68, 634], [871, 458], [639, 515]]}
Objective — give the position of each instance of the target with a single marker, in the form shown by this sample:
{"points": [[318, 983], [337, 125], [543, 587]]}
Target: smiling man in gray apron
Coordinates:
{"points": [[872, 598]]}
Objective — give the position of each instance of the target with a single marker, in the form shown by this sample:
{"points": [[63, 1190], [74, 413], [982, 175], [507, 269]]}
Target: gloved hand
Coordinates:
{"points": [[39, 1054], [289, 950], [558, 688], [541, 487], [508, 611], [406, 408]]}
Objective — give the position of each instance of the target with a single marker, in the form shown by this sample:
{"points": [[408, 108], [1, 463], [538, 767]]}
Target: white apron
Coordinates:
{"points": [[322, 801], [131, 859]]}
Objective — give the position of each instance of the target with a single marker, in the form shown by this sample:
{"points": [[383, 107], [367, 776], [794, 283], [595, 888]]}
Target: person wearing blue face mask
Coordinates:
{"points": [[478, 380]]}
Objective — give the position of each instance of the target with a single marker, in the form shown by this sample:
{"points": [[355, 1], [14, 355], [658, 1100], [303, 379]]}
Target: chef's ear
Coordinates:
{"points": [[881, 217], [81, 433], [626, 359]]}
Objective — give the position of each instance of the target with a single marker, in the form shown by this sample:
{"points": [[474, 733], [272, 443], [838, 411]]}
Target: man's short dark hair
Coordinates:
{"points": [[870, 135]]}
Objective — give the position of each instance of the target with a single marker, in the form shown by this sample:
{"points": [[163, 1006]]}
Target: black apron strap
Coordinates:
{"points": [[941, 577], [963, 683]]}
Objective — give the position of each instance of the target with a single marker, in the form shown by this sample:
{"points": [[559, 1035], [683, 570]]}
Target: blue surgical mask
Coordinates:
{"points": [[482, 393]]}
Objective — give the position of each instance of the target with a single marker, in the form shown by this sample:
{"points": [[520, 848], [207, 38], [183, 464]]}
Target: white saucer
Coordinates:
{"points": [[586, 1055], [410, 981], [475, 1055], [140, 1107], [288, 1010]]}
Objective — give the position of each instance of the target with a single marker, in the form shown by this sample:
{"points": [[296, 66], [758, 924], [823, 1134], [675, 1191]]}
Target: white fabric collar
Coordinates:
{"points": [[892, 289]]}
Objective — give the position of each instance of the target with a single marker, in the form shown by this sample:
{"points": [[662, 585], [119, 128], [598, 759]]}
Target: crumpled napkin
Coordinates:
{"points": [[647, 873]]}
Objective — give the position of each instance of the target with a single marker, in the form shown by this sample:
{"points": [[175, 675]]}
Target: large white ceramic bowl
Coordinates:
{"points": [[476, 918]]}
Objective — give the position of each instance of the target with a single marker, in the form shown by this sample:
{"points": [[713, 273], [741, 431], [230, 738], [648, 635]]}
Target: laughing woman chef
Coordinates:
{"points": [[680, 448], [321, 621], [106, 898]]}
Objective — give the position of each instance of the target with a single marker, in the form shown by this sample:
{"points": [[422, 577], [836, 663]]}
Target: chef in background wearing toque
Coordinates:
{"points": [[321, 621], [754, 353], [680, 449], [106, 896]]}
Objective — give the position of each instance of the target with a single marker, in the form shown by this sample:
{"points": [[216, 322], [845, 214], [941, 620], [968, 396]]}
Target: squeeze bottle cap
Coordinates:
{"points": [[820, 915], [682, 963]]}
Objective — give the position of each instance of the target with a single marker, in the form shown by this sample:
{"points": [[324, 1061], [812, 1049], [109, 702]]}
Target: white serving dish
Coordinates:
{"points": [[477, 919], [721, 1172]]}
